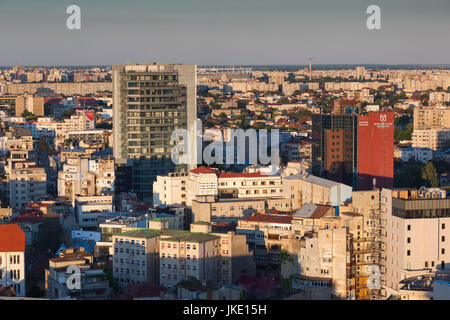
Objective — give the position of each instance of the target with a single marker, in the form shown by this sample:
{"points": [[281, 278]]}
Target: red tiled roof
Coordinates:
{"points": [[242, 175], [203, 170], [269, 218], [320, 211], [32, 216], [12, 238]]}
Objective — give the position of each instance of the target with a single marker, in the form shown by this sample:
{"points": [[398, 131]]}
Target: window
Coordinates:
{"points": [[443, 226], [409, 240], [409, 227], [443, 251], [442, 238], [408, 253]]}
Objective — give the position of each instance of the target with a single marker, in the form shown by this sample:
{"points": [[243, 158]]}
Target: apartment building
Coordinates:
{"points": [[91, 284], [171, 189], [23, 182], [202, 181], [417, 233], [5, 214], [92, 210], [12, 258], [306, 188], [323, 256], [431, 117], [136, 257], [267, 235], [211, 209], [31, 103], [439, 97], [188, 254], [106, 136], [207, 256], [85, 176], [66, 88], [417, 154], [116, 225], [433, 139]]}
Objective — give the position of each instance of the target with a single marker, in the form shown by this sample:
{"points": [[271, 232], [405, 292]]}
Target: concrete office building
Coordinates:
{"points": [[30, 103], [417, 234], [150, 102]]}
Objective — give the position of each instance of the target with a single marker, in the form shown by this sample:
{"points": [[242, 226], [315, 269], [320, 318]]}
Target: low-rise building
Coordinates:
{"points": [[417, 154], [12, 258], [71, 276]]}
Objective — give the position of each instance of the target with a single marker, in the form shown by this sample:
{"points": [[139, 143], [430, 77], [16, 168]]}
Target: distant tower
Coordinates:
{"points": [[310, 69]]}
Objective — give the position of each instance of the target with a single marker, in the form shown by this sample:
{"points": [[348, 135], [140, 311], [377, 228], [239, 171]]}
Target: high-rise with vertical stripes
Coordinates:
{"points": [[150, 102]]}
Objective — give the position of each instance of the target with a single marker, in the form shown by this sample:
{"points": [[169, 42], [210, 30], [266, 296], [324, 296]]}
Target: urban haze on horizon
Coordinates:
{"points": [[224, 32]]}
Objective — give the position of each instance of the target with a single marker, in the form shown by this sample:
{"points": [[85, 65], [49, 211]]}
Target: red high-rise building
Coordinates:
{"points": [[354, 149], [375, 150]]}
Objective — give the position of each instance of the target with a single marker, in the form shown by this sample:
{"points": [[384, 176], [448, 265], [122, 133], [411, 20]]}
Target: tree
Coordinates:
{"points": [[43, 145], [408, 174], [68, 142], [405, 134], [29, 116], [259, 126], [430, 175], [68, 113], [222, 115], [50, 235], [104, 125], [402, 121]]}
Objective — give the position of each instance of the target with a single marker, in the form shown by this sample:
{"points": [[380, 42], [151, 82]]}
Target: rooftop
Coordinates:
{"points": [[71, 255], [313, 179], [141, 233], [204, 170], [12, 238], [193, 237], [312, 211], [269, 218]]}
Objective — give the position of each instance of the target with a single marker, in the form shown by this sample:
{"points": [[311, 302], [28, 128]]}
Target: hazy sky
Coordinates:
{"points": [[224, 32]]}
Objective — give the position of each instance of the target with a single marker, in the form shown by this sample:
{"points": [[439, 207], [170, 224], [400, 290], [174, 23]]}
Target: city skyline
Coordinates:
{"points": [[240, 150]]}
